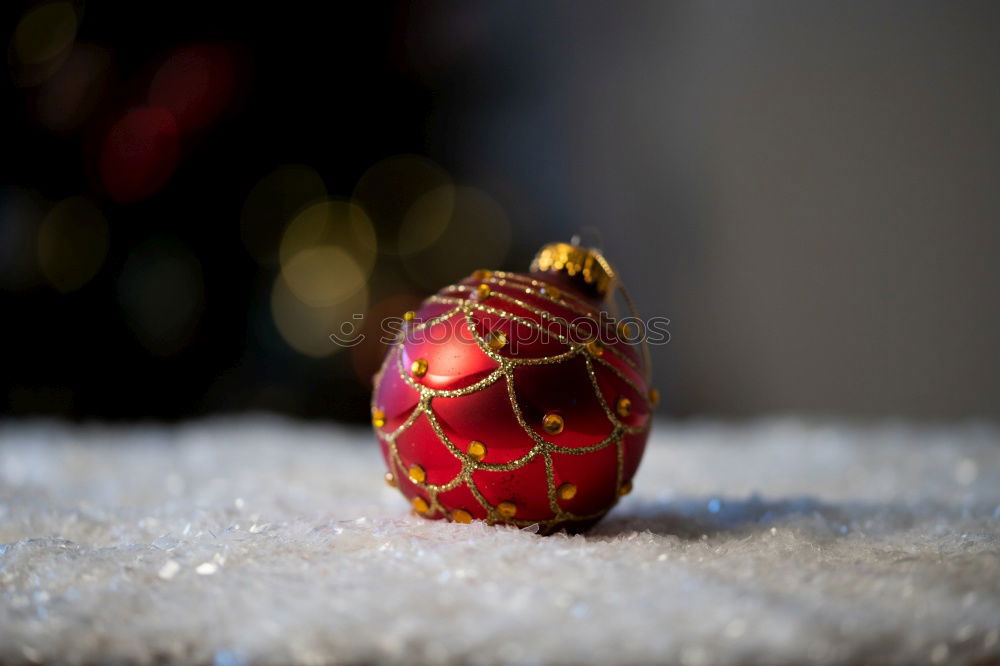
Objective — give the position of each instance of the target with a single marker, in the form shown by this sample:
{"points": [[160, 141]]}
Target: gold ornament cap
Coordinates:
{"points": [[584, 265]]}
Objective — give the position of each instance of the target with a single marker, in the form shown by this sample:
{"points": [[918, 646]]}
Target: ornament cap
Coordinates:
{"points": [[587, 266]]}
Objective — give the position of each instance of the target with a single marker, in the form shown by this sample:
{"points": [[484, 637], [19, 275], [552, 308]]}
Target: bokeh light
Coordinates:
{"points": [[195, 84], [21, 214], [307, 329], [41, 41], [330, 222], [272, 203], [390, 188], [161, 292], [68, 98], [139, 154], [476, 235], [323, 275], [72, 243], [326, 254], [427, 220]]}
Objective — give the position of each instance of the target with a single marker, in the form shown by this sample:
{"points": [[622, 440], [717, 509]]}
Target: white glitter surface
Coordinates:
{"points": [[267, 541]]}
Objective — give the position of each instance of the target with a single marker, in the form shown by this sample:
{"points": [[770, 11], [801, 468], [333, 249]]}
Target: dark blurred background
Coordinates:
{"points": [[194, 195]]}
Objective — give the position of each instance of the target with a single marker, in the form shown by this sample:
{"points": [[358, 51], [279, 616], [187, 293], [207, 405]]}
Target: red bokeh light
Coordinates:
{"points": [[196, 84], [139, 154]]}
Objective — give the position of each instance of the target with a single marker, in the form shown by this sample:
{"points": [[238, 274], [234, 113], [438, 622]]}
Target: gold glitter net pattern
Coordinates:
{"points": [[505, 370], [572, 303]]}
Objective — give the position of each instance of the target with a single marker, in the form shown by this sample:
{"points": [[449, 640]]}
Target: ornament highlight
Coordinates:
{"points": [[513, 398]]}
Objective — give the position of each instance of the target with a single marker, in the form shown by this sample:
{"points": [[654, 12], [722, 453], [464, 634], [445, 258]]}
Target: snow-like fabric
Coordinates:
{"points": [[260, 540]]}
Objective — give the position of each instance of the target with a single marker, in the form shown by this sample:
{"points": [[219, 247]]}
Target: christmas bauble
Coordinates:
{"points": [[516, 398]]}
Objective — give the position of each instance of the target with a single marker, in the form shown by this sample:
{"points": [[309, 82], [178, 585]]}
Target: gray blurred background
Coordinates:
{"points": [[808, 190]]}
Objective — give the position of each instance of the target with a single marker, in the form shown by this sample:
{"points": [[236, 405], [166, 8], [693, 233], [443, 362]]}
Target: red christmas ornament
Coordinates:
{"points": [[510, 398]]}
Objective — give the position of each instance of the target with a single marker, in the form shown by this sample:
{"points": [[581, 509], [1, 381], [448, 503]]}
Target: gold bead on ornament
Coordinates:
{"points": [[552, 423], [378, 418], [417, 474], [390, 479], [482, 275], [420, 505], [409, 316], [496, 340], [626, 488], [418, 368], [624, 407], [461, 516], [566, 491], [654, 396], [477, 450], [595, 348], [482, 292], [507, 509]]}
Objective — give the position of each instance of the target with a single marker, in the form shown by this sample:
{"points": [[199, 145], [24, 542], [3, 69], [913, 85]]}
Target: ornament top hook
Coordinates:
{"points": [[585, 266], [588, 236]]}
